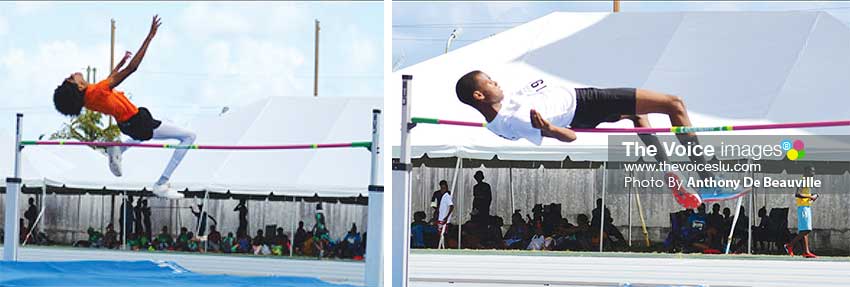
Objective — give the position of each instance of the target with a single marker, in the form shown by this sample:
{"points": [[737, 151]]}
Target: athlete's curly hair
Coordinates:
{"points": [[68, 99]]}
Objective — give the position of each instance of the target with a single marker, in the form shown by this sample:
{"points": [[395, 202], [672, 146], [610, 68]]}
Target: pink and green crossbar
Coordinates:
{"points": [[218, 147], [677, 130]]}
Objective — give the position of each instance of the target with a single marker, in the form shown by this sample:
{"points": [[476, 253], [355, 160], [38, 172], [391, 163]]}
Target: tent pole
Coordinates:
{"points": [[752, 219], [511, 186], [201, 217], [460, 206], [401, 183], [13, 187], [374, 228], [292, 228], [602, 220], [734, 222], [642, 221], [124, 221], [453, 190]]}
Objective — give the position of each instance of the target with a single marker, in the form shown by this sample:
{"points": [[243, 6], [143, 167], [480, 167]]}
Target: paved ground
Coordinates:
{"points": [[349, 272], [491, 269]]}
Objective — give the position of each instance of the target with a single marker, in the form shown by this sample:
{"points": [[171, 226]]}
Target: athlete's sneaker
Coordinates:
{"points": [[165, 190], [684, 196], [809, 255], [114, 154], [789, 249]]}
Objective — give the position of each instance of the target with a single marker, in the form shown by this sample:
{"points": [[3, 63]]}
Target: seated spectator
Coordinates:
{"points": [[517, 235], [214, 240], [609, 229], [698, 236], [228, 244], [110, 239], [244, 244], [164, 241], [350, 245], [133, 242], [192, 245], [539, 241], [308, 248], [259, 244], [143, 241], [471, 234], [280, 242], [95, 238], [583, 232], [760, 232], [714, 220], [493, 238], [182, 243], [418, 230]]}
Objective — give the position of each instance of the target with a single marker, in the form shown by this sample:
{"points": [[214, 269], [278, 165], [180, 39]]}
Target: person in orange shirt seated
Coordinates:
{"points": [[136, 122]]}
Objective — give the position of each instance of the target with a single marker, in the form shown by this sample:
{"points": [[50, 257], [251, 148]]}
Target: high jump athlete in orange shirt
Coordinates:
{"points": [[75, 93]]}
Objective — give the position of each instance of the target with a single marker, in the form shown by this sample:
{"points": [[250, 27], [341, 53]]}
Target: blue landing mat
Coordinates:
{"points": [[133, 273]]}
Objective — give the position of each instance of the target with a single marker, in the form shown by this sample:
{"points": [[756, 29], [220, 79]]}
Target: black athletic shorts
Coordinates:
{"points": [[595, 106], [140, 126]]}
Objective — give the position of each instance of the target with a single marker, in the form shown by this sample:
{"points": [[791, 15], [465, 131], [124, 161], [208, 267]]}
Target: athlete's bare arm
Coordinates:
{"points": [[137, 59], [549, 130], [115, 70]]}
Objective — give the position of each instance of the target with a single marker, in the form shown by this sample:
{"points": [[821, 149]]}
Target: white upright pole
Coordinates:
{"points": [[752, 218], [374, 256], [124, 220], [630, 216], [13, 187], [734, 222], [455, 194], [401, 184], [602, 220]]}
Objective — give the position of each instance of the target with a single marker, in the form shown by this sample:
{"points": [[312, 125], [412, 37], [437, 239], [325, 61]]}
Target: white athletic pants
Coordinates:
{"points": [[168, 132]]}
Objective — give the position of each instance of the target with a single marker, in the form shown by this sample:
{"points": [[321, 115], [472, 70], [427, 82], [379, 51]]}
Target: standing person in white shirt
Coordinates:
{"points": [[544, 109], [445, 212]]}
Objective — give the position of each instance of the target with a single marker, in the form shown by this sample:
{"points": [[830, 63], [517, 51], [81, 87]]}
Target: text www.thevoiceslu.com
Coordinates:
{"points": [[692, 167]]}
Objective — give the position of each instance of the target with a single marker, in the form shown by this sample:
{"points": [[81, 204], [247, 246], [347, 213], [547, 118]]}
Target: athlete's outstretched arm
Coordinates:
{"points": [[127, 55], [137, 59], [549, 130]]}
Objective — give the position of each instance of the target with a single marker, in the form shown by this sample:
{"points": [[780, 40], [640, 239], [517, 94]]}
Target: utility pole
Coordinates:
{"points": [[616, 6], [316, 65], [112, 46]]}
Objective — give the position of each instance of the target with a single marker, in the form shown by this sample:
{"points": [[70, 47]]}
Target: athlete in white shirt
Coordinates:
{"points": [[543, 109]]}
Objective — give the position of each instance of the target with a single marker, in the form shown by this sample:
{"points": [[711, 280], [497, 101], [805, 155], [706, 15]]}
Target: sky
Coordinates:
{"points": [[421, 29], [205, 56]]}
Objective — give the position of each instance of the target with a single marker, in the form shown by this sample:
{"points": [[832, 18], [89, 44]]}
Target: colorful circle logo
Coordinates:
{"points": [[796, 149]]}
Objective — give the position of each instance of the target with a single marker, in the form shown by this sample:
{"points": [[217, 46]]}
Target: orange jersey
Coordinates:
{"points": [[100, 98]]}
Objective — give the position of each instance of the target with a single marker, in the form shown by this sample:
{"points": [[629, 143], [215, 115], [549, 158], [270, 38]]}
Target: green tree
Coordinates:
{"points": [[89, 127]]}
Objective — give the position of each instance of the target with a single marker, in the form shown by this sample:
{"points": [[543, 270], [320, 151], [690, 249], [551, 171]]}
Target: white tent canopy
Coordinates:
{"points": [[342, 172], [732, 68]]}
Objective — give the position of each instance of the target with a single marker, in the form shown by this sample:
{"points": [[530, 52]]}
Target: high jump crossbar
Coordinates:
{"points": [[364, 144], [675, 129]]}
